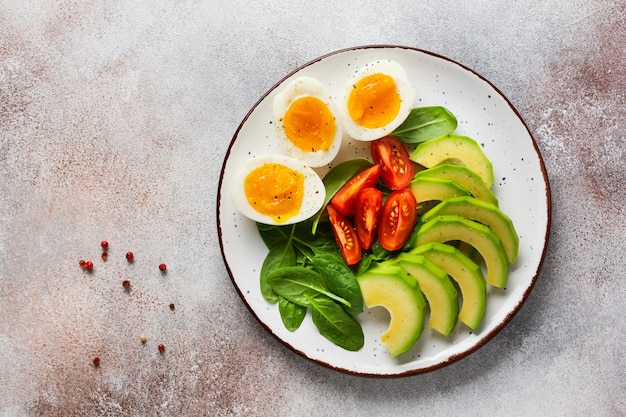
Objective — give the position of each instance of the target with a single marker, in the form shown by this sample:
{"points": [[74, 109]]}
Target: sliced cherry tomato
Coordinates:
{"points": [[345, 198], [397, 219], [369, 202], [345, 235], [393, 157]]}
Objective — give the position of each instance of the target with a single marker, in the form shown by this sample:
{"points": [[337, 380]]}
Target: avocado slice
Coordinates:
{"points": [[464, 177], [437, 288], [457, 150], [467, 275], [389, 286], [452, 227], [435, 189], [484, 213]]}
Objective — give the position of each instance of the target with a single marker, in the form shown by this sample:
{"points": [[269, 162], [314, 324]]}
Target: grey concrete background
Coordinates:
{"points": [[115, 117]]}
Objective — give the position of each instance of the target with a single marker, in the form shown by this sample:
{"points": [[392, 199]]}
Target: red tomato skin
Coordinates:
{"points": [[398, 219], [345, 236], [345, 199], [393, 157], [369, 203]]}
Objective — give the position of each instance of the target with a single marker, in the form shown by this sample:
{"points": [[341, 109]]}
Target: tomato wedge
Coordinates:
{"points": [[345, 235], [397, 219], [345, 198], [369, 202], [394, 159]]}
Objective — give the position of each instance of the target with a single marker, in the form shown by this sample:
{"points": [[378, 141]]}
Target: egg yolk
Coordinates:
{"points": [[374, 101], [309, 124], [275, 190]]}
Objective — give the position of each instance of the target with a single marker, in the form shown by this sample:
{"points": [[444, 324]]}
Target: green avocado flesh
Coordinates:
{"points": [[456, 150], [390, 287], [467, 275], [448, 228], [437, 288], [435, 189], [464, 177], [484, 213]]}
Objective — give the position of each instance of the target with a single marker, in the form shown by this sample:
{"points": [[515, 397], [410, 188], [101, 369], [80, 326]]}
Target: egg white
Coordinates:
{"points": [[405, 91], [304, 87], [312, 201]]}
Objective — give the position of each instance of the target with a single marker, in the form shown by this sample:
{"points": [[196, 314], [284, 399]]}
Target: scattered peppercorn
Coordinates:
{"points": [[171, 306], [126, 284], [130, 256], [96, 361], [162, 267], [82, 263], [161, 348], [88, 265], [104, 244], [143, 338]]}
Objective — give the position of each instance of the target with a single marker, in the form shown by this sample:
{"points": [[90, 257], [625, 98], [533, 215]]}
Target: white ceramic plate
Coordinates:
{"points": [[521, 186]]}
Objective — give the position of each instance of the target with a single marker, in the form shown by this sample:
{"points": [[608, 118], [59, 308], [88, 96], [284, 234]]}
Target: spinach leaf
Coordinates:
{"points": [[425, 123], [365, 263], [280, 255], [302, 266], [335, 324], [340, 279], [298, 285], [274, 235], [336, 178], [323, 244], [309, 245], [300, 232], [291, 314], [379, 252]]}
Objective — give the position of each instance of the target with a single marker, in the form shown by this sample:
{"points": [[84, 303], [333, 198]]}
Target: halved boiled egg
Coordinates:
{"points": [[378, 98], [278, 190], [306, 119]]}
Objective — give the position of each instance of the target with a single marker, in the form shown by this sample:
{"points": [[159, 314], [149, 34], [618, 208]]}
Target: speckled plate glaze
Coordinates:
{"points": [[521, 186]]}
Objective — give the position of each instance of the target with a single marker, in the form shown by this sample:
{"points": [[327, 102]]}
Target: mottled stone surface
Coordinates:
{"points": [[114, 120]]}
